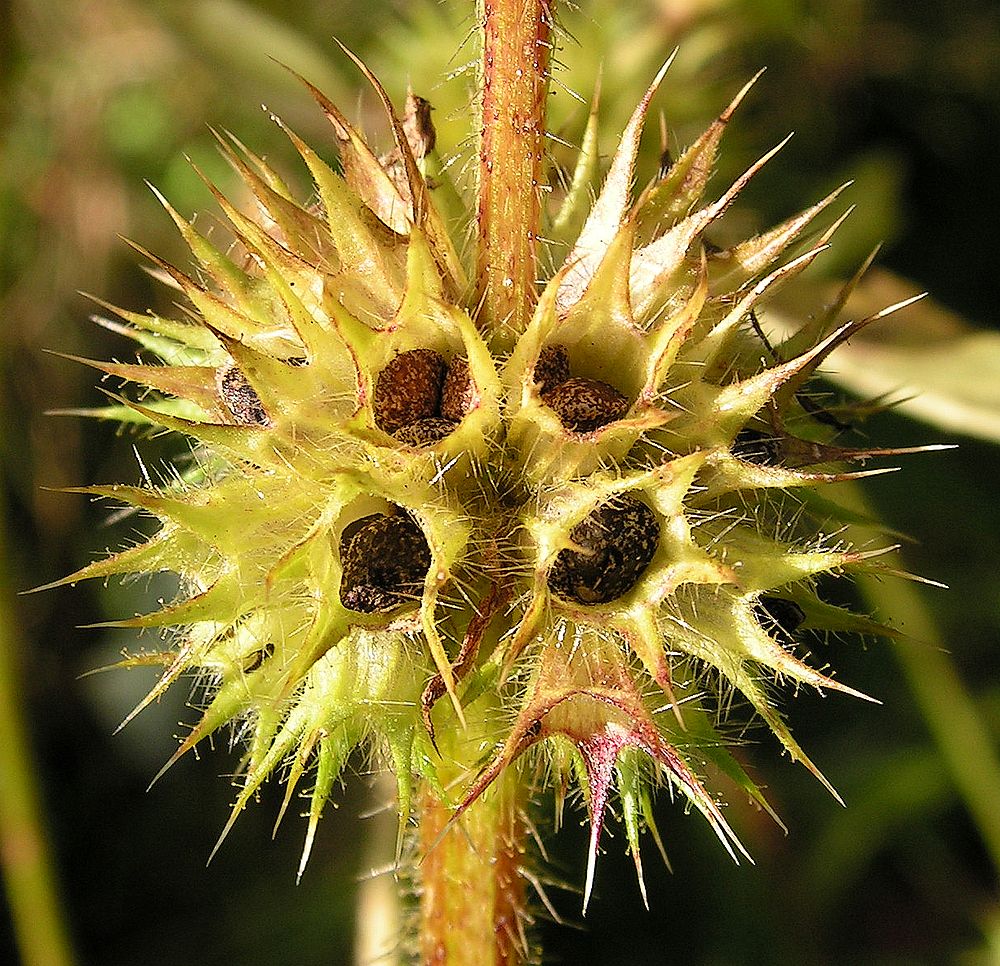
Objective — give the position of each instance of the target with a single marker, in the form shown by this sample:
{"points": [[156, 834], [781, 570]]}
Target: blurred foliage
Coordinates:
{"points": [[98, 95]]}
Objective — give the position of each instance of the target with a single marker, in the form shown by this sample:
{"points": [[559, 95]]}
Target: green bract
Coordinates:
{"points": [[579, 535]]}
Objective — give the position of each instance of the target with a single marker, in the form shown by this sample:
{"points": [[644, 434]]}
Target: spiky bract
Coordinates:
{"points": [[641, 398]]}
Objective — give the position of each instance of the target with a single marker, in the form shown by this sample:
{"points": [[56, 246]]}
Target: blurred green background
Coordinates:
{"points": [[98, 95]]}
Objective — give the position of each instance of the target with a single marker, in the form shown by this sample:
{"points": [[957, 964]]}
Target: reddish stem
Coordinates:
{"points": [[472, 891], [514, 82]]}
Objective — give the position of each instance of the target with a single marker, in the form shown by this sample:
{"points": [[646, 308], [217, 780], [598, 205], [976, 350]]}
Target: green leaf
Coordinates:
{"points": [[952, 383], [942, 370]]}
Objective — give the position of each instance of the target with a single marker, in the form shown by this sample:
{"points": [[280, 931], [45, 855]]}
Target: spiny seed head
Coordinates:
{"points": [[564, 530]]}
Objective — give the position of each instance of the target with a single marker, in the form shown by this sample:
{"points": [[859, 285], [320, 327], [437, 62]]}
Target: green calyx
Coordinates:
{"points": [[569, 531]]}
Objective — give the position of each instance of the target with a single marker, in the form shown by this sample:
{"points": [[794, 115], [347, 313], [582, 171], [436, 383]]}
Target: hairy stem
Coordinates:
{"points": [[471, 888], [472, 891], [513, 78]]}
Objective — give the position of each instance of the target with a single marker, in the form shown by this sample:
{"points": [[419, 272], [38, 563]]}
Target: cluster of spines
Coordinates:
{"points": [[277, 376]]}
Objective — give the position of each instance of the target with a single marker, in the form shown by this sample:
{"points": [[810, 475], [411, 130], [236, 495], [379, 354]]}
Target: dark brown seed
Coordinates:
{"points": [[424, 432], [552, 367], [458, 395], [256, 660], [384, 560], [753, 446], [618, 541], [779, 616], [356, 526], [584, 405], [239, 397], [408, 389]]}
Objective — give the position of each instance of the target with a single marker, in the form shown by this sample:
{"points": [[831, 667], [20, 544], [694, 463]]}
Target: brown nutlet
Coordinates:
{"points": [[780, 617], [385, 560], [424, 432], [552, 367], [584, 405], [617, 542], [458, 395], [408, 389], [239, 397]]}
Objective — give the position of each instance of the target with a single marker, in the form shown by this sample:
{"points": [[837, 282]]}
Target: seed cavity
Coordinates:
{"points": [[385, 560], [420, 399], [617, 541], [239, 397], [780, 616], [582, 405], [408, 389]]}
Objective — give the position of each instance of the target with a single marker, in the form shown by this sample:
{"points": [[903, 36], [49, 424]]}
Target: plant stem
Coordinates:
{"points": [[377, 926], [472, 892], [27, 868], [471, 889], [513, 78], [949, 711]]}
